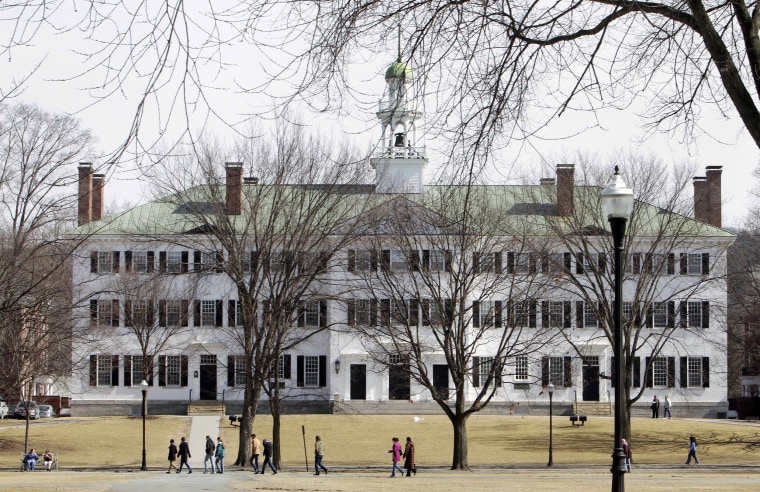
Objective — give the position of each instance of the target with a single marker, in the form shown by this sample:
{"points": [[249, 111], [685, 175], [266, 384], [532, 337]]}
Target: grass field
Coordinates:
{"points": [[359, 440]]}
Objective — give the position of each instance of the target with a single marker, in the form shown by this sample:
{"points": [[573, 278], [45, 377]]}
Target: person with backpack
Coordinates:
{"points": [[692, 451], [268, 457], [219, 455], [209, 459]]}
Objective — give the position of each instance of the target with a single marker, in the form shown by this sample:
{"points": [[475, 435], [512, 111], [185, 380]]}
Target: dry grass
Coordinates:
{"points": [[358, 440]]}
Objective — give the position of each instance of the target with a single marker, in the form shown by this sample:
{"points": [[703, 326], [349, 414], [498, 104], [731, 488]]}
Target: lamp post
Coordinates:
{"points": [[617, 205], [144, 389], [550, 389]]}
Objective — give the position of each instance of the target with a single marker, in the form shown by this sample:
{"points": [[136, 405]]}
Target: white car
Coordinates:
{"points": [[3, 410]]}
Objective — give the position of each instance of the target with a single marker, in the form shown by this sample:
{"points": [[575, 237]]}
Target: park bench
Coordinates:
{"points": [[40, 463], [575, 419]]}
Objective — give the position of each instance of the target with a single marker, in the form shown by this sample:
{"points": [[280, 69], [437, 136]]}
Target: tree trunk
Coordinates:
{"points": [[274, 405], [460, 462], [250, 402]]}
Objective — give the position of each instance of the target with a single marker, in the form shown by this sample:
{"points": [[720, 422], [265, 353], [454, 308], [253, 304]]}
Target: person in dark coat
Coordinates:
{"points": [[409, 465], [209, 458], [184, 454], [172, 455], [655, 407], [268, 457]]}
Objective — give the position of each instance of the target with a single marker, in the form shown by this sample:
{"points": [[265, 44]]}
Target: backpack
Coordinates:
{"points": [[220, 450]]}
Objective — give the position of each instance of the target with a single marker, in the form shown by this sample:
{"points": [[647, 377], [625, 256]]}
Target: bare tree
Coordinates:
{"points": [[272, 237]]}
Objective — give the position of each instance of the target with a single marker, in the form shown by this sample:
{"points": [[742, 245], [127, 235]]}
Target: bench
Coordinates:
{"points": [[574, 419], [40, 465], [234, 419]]}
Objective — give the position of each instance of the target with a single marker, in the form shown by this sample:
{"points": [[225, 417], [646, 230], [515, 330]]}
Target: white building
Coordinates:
{"points": [[197, 308]]}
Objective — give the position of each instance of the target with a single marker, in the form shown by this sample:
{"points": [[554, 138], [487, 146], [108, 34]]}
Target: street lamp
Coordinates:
{"points": [[617, 205], [550, 389], [144, 389]]}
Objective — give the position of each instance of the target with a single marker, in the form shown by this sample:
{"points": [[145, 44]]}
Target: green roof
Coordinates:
{"points": [[504, 209], [399, 70]]}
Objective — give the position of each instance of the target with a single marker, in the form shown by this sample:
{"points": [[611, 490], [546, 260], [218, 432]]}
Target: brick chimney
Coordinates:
{"points": [[98, 182], [234, 191], [565, 189], [84, 200], [707, 196]]}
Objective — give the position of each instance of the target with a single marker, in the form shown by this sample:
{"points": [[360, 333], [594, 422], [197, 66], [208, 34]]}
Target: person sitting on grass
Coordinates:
{"points": [[31, 460]]}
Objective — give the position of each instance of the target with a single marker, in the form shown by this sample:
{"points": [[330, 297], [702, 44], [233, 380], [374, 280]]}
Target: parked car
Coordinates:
{"points": [[20, 411], [3, 410], [47, 411]]}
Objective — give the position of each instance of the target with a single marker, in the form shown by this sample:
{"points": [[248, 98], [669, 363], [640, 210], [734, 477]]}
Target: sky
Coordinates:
{"points": [[55, 87]]}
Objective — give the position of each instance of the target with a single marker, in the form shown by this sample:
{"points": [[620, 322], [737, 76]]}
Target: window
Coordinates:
{"points": [[589, 262], [105, 370], [694, 366], [234, 313], [555, 314], [660, 372], [311, 371], [235, 370], [137, 370], [365, 261], [486, 314], [365, 314], [433, 313], [525, 313], [208, 313], [694, 264], [141, 314], [589, 315], [104, 312], [487, 262], [521, 368], [697, 314], [173, 370], [174, 315], [482, 367], [522, 263], [105, 261], [555, 262], [633, 264], [140, 262], [557, 371], [437, 260], [398, 261], [311, 313], [663, 314], [174, 261], [627, 311]]}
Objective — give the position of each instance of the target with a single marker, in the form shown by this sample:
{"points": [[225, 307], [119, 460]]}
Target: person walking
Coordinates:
{"points": [[256, 451], [409, 465], [268, 458], [31, 460], [396, 456], [209, 458], [172, 456], [184, 454], [319, 453], [655, 407], [48, 459], [219, 454], [627, 453], [692, 451], [667, 414]]}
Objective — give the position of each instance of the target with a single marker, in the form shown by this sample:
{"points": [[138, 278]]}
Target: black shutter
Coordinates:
{"points": [[683, 314], [183, 370], [426, 259], [386, 262], [197, 261], [219, 262], [476, 372], [322, 371], [151, 261], [510, 263], [705, 372], [671, 264], [684, 372], [286, 366], [684, 264], [254, 261], [219, 312], [299, 371], [648, 379], [116, 256], [185, 261], [414, 312], [497, 308], [93, 262], [414, 260], [568, 308], [183, 312], [230, 370], [93, 312], [671, 314], [128, 261], [705, 263], [426, 312], [373, 260], [162, 261], [579, 313], [545, 314], [579, 263], [115, 313], [323, 313], [127, 370], [196, 312], [373, 312], [498, 370], [671, 372], [476, 262], [162, 313], [128, 321], [231, 318], [545, 263], [301, 315], [544, 372], [351, 260], [497, 262], [447, 260], [93, 370], [532, 315], [511, 320], [151, 315], [636, 263], [705, 314], [475, 314], [602, 262], [532, 264], [568, 372], [114, 370], [162, 370], [568, 260], [351, 312], [637, 372], [449, 312]]}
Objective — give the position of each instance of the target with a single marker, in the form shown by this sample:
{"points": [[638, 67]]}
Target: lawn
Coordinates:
{"points": [[359, 440]]}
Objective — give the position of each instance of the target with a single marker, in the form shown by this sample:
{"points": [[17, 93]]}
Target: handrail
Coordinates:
{"points": [[190, 398]]}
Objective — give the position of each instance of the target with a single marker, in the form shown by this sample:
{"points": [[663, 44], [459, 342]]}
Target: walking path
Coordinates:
{"points": [[201, 427]]}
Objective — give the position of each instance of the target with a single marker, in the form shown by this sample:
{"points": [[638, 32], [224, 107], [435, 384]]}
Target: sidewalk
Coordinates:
{"points": [[199, 429]]}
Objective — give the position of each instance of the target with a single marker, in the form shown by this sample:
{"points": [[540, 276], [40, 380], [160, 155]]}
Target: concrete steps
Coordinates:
{"points": [[592, 408], [195, 408]]}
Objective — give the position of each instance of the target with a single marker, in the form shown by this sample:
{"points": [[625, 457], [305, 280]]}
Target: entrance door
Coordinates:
{"points": [[441, 380], [358, 382], [590, 383], [399, 386], [208, 377]]}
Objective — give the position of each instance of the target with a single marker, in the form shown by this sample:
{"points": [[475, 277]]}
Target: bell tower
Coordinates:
{"points": [[398, 162]]}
